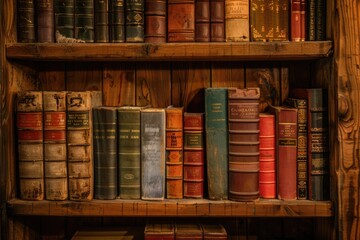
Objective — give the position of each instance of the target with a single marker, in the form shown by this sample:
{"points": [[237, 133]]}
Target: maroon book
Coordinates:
{"points": [[217, 20], [295, 20], [45, 21], [202, 20], [155, 21]]}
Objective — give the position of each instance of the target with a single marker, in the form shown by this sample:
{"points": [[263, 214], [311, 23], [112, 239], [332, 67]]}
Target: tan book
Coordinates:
{"points": [[237, 21]]}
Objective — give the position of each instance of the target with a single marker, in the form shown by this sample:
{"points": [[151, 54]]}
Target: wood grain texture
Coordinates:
{"points": [[52, 76], [227, 74], [83, 76]]}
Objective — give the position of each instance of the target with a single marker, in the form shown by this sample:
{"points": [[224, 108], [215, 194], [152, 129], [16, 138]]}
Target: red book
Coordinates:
{"points": [[202, 20], [302, 20], [295, 20], [267, 174]]}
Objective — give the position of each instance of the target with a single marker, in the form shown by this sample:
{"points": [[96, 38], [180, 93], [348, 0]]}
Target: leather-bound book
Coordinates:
{"points": [[45, 21], [84, 20], [295, 20], [286, 151], [181, 20], [55, 154], [303, 13], [282, 20], [116, 21], [159, 231], [101, 21], [153, 123], [188, 231], [320, 20], [105, 152], [202, 20], [217, 20], [134, 20], [79, 129], [216, 135], [243, 120], [259, 21], [267, 163], [194, 155], [214, 231], [318, 141], [310, 20], [64, 17], [26, 21], [174, 152], [29, 123], [237, 21], [129, 158], [155, 21]]}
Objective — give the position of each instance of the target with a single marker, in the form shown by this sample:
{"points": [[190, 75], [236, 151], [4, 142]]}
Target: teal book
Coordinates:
{"points": [[216, 131]]}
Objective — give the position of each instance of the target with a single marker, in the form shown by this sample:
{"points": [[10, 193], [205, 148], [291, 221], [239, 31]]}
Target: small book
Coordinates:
{"points": [[45, 21], [116, 21], [25, 21], [237, 21], [181, 20], [155, 21], [134, 20]]}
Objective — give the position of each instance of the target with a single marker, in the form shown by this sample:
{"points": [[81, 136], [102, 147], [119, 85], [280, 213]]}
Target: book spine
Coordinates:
{"points": [[29, 122], [26, 21], [310, 23], [84, 20], [153, 154], [45, 21], [129, 152], [237, 21], [258, 12], [64, 17], [320, 20], [202, 20], [116, 21], [267, 173], [101, 21], [105, 152], [295, 20], [282, 10], [181, 21], [194, 155], [55, 154], [155, 21], [134, 20], [217, 20], [303, 20], [216, 131], [243, 121]]}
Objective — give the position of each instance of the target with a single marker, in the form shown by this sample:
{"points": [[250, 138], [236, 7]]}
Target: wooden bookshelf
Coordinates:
{"points": [[250, 51]]}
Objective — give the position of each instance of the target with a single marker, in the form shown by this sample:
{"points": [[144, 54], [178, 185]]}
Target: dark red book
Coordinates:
{"points": [[202, 20], [295, 20], [181, 21], [155, 21], [302, 20]]}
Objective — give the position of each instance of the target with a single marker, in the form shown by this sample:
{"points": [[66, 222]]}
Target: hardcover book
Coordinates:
{"points": [[237, 21], [129, 159], [194, 155], [155, 21], [188, 231], [303, 13], [286, 151], [216, 134], [101, 21], [157, 231], [25, 21], [202, 20], [134, 20], [105, 152], [45, 21], [318, 145], [320, 20], [29, 123], [153, 122], [282, 22], [64, 17], [214, 232], [55, 154], [217, 20], [84, 20], [295, 20], [181, 21], [243, 121], [174, 152], [310, 20], [116, 21]]}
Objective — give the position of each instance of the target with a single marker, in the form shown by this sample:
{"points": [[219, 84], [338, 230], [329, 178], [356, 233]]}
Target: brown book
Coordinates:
{"points": [[188, 231], [243, 118], [174, 152], [194, 155], [155, 21], [45, 21], [217, 20], [237, 21], [202, 20], [259, 22], [181, 21], [214, 232], [282, 20], [159, 231], [303, 20], [55, 154], [26, 21], [29, 123], [295, 20]]}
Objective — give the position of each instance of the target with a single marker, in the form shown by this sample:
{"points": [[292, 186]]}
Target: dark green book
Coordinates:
{"points": [[101, 26], [320, 20], [116, 21], [134, 24], [105, 152], [216, 132], [84, 20], [64, 17], [25, 21], [310, 20]]}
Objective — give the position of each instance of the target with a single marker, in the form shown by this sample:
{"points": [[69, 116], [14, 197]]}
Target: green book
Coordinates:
{"points": [[64, 17], [216, 131], [84, 20]]}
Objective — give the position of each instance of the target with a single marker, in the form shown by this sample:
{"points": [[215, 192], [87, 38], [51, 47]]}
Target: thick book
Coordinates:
{"points": [[217, 20], [84, 20], [302, 152], [45, 21], [101, 21], [79, 129], [25, 21], [243, 122], [55, 154], [29, 123], [174, 152], [153, 140], [64, 17], [188, 231], [214, 231], [202, 20], [129, 158], [116, 21], [318, 141], [159, 231], [286, 151], [237, 21], [134, 20], [267, 171], [155, 21], [181, 20], [216, 135], [105, 152], [194, 155], [295, 20]]}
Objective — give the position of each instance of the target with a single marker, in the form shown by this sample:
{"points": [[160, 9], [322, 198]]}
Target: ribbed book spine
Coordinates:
{"points": [[105, 152], [181, 20], [29, 122], [202, 20], [155, 21], [55, 153], [134, 20], [64, 17], [116, 21], [84, 20], [237, 21], [243, 121], [26, 21], [101, 21], [217, 20], [259, 22], [156, 230], [45, 21], [295, 19]]}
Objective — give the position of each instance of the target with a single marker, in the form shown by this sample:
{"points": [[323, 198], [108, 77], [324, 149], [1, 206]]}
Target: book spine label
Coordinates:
{"points": [[237, 20], [155, 21], [45, 21], [217, 20], [295, 20], [181, 21], [202, 20], [116, 21], [26, 21]]}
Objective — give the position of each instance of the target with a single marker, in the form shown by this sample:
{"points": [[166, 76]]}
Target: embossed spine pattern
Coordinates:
{"points": [[134, 20], [237, 21], [155, 21], [202, 20], [26, 21]]}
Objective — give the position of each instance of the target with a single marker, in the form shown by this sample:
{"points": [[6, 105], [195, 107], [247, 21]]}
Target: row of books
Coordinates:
{"points": [[162, 21]]}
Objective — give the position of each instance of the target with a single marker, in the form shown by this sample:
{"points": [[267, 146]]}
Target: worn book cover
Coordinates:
{"points": [[116, 21], [214, 231], [84, 20], [181, 21], [155, 21], [217, 20], [202, 20], [159, 231], [237, 21], [101, 21], [134, 20], [188, 231], [45, 21], [64, 17], [25, 21]]}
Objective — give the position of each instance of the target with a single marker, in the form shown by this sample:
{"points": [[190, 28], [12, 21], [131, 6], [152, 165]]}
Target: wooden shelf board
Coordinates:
{"points": [[173, 208], [247, 51]]}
